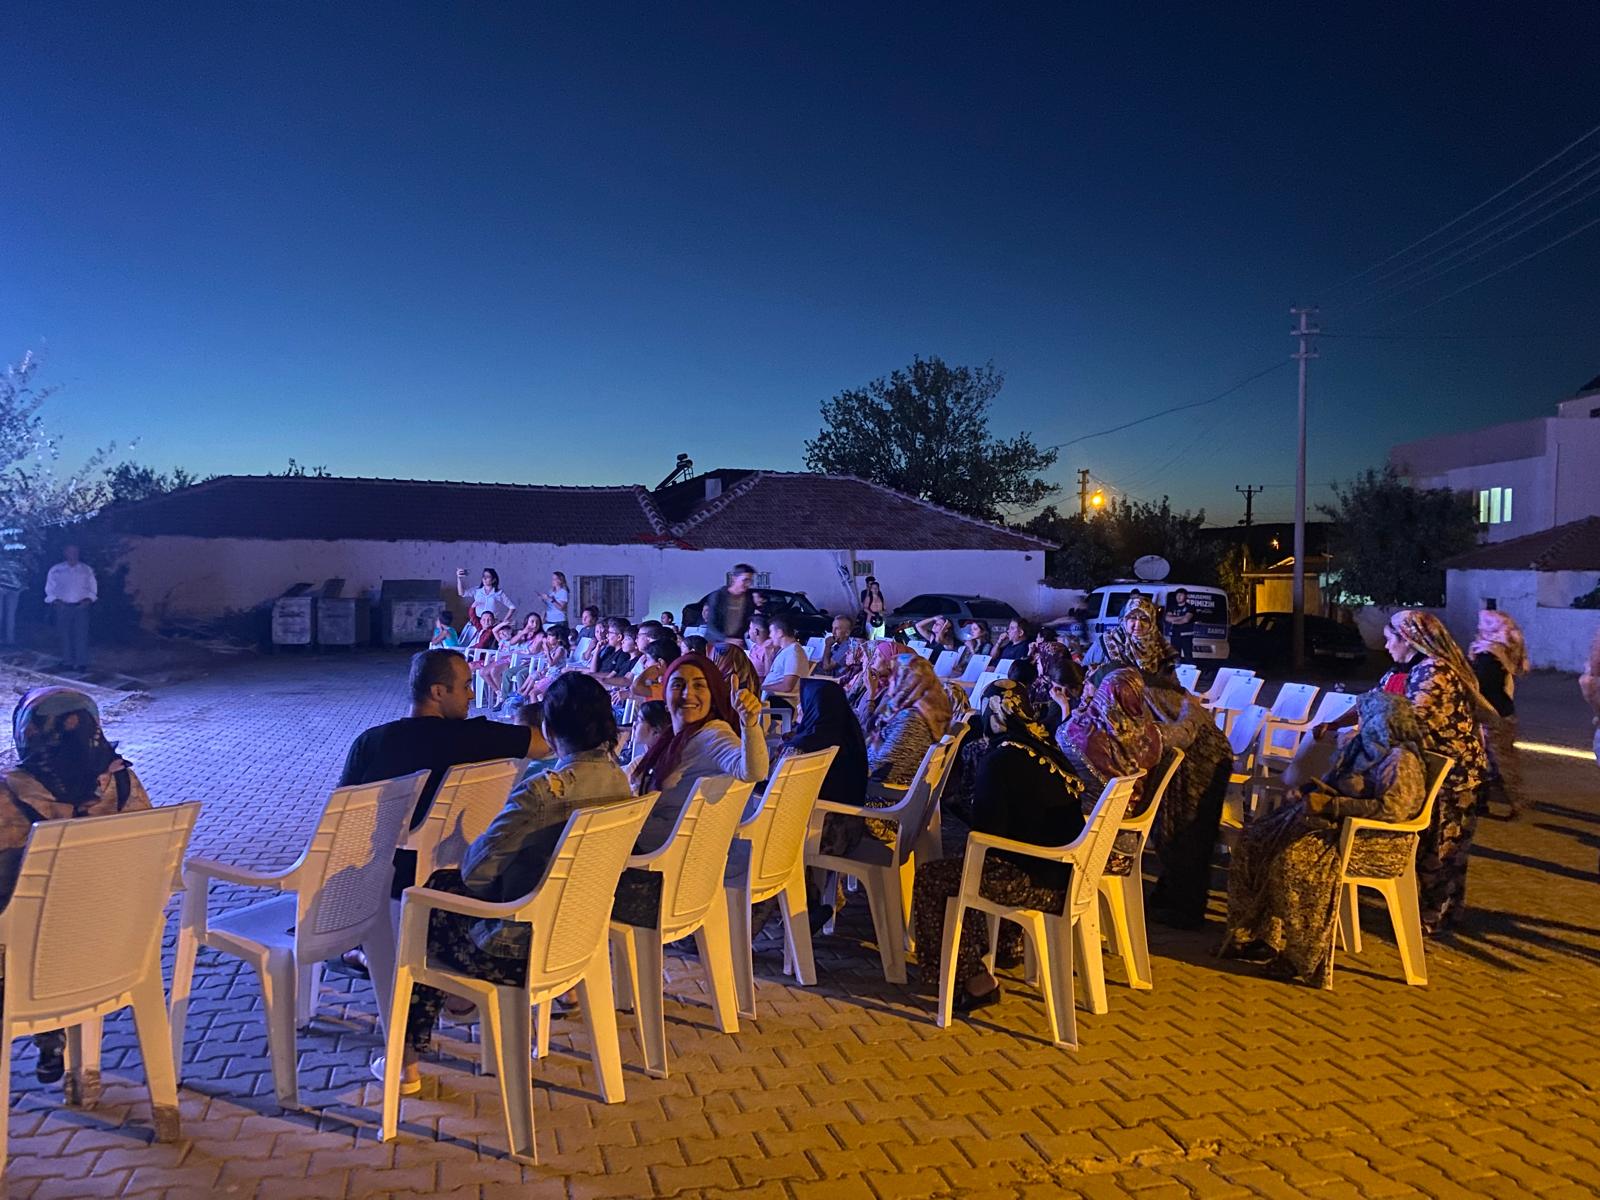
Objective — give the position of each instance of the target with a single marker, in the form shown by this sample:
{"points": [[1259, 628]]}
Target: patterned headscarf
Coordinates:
{"points": [[919, 688], [1150, 652], [735, 666], [1387, 722], [1499, 635], [662, 760], [1008, 721], [1426, 634], [1115, 733], [60, 743]]}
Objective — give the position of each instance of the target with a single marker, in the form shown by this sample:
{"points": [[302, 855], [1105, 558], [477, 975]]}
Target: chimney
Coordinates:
{"points": [[713, 486]]}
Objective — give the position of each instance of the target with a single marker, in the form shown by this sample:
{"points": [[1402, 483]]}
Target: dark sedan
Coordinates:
{"points": [[1265, 638]]}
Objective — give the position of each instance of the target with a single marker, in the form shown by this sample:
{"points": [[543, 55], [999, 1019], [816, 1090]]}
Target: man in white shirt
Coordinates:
{"points": [[789, 663], [70, 588]]}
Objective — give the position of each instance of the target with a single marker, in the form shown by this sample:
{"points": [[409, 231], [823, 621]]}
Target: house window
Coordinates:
{"points": [[611, 594], [864, 568], [1494, 506], [763, 579]]}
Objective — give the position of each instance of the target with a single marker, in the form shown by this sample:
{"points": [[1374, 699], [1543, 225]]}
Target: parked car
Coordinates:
{"points": [[810, 621], [995, 614], [1209, 604], [1264, 639]]}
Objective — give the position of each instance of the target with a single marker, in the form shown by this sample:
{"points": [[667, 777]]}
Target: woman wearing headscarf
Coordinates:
{"points": [[1191, 812], [1050, 660], [65, 768], [1025, 790], [872, 684], [1449, 707], [914, 715], [736, 667], [1283, 885], [1499, 655], [1113, 734]]}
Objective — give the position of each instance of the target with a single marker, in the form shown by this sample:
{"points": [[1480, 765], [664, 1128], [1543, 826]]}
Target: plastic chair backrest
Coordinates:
{"points": [[695, 858], [1089, 861], [945, 665], [1293, 702], [777, 832], [1334, 705], [85, 921], [924, 648], [469, 797], [984, 681], [815, 647], [1240, 693], [1225, 677], [570, 910], [347, 869], [1188, 676], [1246, 730], [922, 797], [976, 666], [1171, 760], [583, 647], [1435, 767]]}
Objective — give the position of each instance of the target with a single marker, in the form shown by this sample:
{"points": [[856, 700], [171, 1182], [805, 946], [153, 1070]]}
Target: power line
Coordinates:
{"points": [[1222, 395], [1378, 335], [1454, 221]]}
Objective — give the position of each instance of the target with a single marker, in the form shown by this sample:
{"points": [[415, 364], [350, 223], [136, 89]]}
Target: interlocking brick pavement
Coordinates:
{"points": [[1217, 1083]]}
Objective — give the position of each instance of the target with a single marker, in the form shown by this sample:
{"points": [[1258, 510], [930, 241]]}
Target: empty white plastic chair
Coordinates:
{"points": [[1238, 696], [336, 899], [1052, 938], [944, 666], [1225, 676], [470, 796], [1244, 739], [1399, 892], [878, 865], [82, 937], [1188, 676], [984, 680], [815, 647], [1123, 895], [1292, 704], [691, 864], [976, 666], [1333, 706], [569, 912], [767, 859]]}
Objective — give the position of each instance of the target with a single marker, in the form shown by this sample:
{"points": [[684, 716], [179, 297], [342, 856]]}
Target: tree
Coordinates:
{"points": [[130, 481], [925, 431], [1102, 546], [1388, 538], [295, 471]]}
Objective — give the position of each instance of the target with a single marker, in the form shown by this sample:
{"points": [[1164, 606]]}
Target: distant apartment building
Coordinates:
{"points": [[1524, 476]]}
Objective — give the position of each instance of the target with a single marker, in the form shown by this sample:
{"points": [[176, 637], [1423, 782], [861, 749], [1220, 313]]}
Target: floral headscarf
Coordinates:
{"points": [[919, 688], [1008, 721], [60, 743], [735, 666], [1426, 634], [1150, 652], [1499, 635], [1386, 721], [1115, 733], [659, 764]]}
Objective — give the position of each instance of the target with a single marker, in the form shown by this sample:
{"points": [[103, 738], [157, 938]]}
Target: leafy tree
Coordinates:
{"points": [[925, 431], [1105, 545], [130, 481], [295, 471], [1388, 537]]}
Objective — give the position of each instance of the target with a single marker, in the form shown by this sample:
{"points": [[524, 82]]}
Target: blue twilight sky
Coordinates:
{"points": [[560, 244]]}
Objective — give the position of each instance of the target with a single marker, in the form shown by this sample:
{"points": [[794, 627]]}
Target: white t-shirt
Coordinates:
{"points": [[556, 614], [789, 660]]}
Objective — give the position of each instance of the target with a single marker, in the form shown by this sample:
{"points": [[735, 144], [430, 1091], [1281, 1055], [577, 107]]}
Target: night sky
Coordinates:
{"points": [[484, 242]]}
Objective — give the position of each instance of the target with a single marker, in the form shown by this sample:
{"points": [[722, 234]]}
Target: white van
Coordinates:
{"points": [[1210, 606]]}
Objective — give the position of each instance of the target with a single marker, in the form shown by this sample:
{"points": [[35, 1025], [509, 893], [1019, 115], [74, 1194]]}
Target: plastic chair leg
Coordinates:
{"points": [[1055, 938], [737, 907], [191, 928], [947, 961], [379, 946], [395, 1052], [82, 1083], [155, 1047], [624, 975], [512, 1015], [5, 1091], [541, 1029], [993, 922], [305, 1000], [716, 959], [908, 879], [605, 1052], [882, 887], [1091, 964], [278, 980], [1123, 898], [1350, 917], [1405, 914], [649, 1002], [797, 930]]}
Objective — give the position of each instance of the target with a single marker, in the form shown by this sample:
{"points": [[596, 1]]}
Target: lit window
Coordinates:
{"points": [[1483, 506], [1505, 507], [1494, 506]]}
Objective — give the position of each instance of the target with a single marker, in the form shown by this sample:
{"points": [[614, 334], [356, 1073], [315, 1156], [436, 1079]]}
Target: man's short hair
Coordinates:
{"points": [[429, 667], [743, 569], [589, 610], [696, 644], [577, 713], [781, 623]]}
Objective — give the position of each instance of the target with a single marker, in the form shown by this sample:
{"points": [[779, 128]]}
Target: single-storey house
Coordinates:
{"points": [[235, 542], [1535, 579]]}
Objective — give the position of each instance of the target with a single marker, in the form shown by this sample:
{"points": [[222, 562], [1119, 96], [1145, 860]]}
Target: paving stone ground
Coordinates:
{"points": [[1217, 1083]]}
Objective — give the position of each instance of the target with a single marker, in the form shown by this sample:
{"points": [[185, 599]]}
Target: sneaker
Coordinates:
{"points": [[410, 1077]]}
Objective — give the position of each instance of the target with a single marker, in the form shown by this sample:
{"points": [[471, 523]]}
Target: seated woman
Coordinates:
{"points": [[736, 667], [938, 632], [712, 734], [1283, 886], [1025, 790], [872, 683], [914, 715], [65, 768], [1110, 735], [509, 859]]}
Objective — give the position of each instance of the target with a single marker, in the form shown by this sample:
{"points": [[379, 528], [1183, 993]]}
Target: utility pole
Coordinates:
{"points": [[1302, 355], [1249, 494], [1083, 491]]}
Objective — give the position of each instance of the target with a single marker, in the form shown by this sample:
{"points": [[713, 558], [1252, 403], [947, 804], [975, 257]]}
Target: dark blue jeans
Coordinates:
{"points": [[72, 624]]}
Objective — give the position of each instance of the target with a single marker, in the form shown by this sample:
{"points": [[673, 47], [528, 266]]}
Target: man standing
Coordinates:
{"points": [[1180, 625], [731, 607], [13, 577], [71, 588]]}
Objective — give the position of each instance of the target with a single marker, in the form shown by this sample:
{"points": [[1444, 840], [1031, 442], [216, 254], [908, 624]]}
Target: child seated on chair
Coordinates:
{"points": [[508, 861]]}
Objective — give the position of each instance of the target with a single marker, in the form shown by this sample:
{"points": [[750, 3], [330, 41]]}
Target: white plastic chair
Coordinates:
{"points": [[879, 866], [944, 666], [1188, 675], [1244, 739], [82, 937], [1225, 676], [692, 864], [768, 859], [1238, 696], [1334, 705], [1051, 937], [815, 647], [976, 666], [984, 680], [1292, 704], [1399, 893], [1123, 895], [569, 912], [336, 898], [470, 796]]}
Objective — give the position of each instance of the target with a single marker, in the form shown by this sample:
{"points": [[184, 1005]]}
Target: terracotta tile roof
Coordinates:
{"points": [[1574, 546], [280, 508], [773, 510]]}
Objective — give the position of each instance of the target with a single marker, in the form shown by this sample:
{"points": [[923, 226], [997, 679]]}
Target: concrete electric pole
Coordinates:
{"points": [[1249, 494], [1304, 354], [1083, 491]]}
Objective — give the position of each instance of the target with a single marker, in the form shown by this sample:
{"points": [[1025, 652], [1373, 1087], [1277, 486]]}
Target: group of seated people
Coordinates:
{"points": [[1020, 776]]}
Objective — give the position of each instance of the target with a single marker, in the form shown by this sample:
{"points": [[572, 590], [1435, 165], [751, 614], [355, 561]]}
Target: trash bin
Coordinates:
{"points": [[406, 611], [292, 615]]}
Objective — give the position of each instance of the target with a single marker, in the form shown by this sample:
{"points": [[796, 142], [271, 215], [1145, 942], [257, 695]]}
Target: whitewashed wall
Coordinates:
{"points": [[202, 577], [1558, 635]]}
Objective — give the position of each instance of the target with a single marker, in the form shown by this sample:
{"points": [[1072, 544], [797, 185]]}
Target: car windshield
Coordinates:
{"points": [[992, 610], [789, 602]]}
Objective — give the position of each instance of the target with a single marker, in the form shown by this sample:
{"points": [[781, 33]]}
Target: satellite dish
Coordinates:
{"points": [[1152, 568]]}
